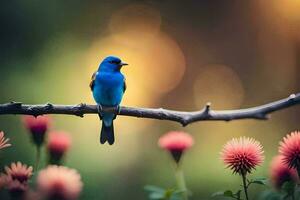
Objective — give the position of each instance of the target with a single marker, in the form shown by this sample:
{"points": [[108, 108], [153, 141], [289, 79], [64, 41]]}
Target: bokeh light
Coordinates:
{"points": [[133, 19], [278, 38], [220, 85], [288, 9]]}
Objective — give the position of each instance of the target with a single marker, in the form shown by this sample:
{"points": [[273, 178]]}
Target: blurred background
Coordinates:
{"points": [[182, 54]]}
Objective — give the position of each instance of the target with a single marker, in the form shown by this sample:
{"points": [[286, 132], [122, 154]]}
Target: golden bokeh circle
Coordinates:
{"points": [[219, 85], [134, 19], [153, 69], [288, 9]]}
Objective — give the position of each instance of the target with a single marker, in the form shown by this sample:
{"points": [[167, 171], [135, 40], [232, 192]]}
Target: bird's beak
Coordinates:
{"points": [[123, 64]]}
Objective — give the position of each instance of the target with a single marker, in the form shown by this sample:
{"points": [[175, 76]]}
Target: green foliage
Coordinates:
{"points": [[237, 195], [228, 193], [270, 195], [288, 191], [259, 180], [158, 193]]}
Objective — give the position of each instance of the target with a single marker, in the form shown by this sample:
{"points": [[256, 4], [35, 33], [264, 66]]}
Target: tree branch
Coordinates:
{"points": [[185, 118]]}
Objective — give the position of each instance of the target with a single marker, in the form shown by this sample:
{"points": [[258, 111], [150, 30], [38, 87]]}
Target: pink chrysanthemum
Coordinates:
{"points": [[280, 172], [15, 187], [58, 144], [290, 149], [59, 182], [242, 155], [37, 126], [176, 142], [3, 141], [2, 180], [18, 171], [17, 190]]}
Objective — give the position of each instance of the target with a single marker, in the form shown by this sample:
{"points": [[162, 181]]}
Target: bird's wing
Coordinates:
{"points": [[92, 83], [124, 86]]}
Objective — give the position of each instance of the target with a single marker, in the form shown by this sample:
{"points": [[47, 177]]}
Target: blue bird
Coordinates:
{"points": [[108, 86]]}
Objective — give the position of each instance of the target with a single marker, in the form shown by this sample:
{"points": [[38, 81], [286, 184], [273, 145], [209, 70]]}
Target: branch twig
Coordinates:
{"points": [[185, 118]]}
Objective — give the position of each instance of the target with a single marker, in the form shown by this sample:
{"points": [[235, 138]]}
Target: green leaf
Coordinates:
{"points": [[179, 191], [153, 188], [260, 181], [270, 195], [227, 193], [169, 193], [175, 197], [155, 192], [288, 187], [238, 194], [155, 196]]}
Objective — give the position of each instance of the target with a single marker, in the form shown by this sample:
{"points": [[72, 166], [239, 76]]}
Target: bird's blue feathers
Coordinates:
{"points": [[107, 134], [110, 64], [108, 90]]}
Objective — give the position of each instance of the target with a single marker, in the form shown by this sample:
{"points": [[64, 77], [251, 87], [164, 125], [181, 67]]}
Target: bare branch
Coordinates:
{"points": [[185, 118]]}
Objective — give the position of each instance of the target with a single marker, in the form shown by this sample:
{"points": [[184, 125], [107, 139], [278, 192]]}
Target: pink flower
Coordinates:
{"points": [[58, 144], [290, 150], [16, 179], [18, 190], [2, 180], [242, 154], [18, 171], [176, 142], [280, 172], [15, 187], [3, 141], [59, 182], [37, 126]]}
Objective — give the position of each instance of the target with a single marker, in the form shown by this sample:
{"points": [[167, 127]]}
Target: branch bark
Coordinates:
{"points": [[185, 118]]}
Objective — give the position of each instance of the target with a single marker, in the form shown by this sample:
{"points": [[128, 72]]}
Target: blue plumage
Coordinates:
{"points": [[108, 86]]}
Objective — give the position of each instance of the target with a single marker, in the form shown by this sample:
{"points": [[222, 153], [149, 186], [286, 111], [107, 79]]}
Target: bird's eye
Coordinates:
{"points": [[114, 62]]}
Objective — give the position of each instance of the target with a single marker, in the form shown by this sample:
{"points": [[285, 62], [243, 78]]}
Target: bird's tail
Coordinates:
{"points": [[107, 134]]}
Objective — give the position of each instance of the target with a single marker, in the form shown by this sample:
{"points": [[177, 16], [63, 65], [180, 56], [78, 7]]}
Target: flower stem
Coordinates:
{"points": [[298, 172], [297, 185], [245, 185], [17, 195], [181, 181], [37, 158]]}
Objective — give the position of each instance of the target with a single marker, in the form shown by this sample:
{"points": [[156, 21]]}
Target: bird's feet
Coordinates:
{"points": [[100, 109], [118, 109]]}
